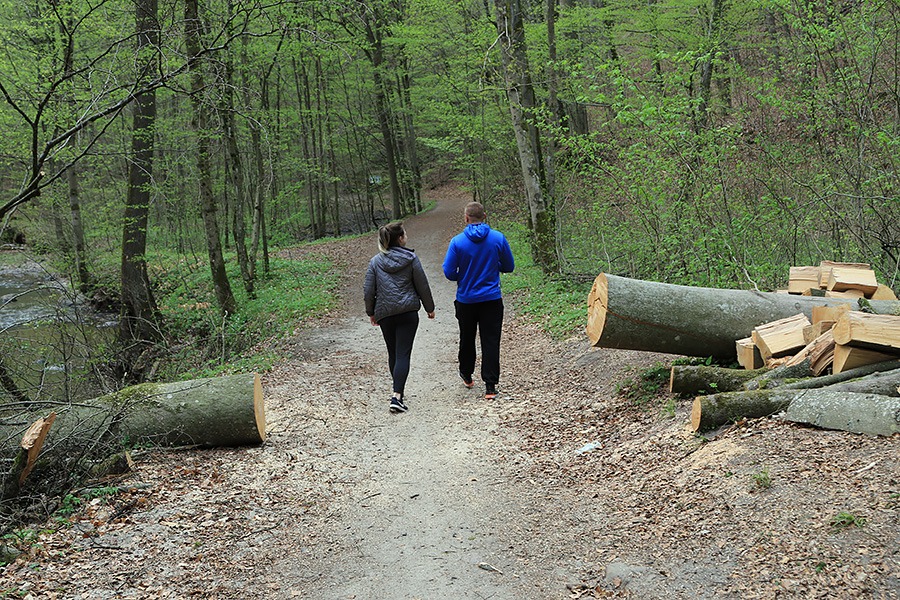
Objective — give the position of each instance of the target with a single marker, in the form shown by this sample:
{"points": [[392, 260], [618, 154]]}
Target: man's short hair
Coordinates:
{"points": [[475, 210]]}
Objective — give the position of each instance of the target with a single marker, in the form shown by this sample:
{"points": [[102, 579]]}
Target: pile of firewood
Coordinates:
{"points": [[826, 353], [836, 337]]}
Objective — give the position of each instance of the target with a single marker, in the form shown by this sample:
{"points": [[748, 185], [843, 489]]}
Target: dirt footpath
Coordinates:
{"points": [[559, 489]]}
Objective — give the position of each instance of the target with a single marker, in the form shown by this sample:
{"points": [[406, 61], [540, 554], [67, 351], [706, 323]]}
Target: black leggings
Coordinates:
{"points": [[399, 331]]}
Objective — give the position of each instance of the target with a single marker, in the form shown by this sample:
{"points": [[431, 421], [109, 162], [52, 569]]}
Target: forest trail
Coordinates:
{"points": [[564, 488], [427, 509]]}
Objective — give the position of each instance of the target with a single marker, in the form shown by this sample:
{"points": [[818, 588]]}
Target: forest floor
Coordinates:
{"points": [[561, 488]]}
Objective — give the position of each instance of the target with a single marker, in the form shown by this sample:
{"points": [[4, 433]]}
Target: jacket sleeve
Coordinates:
{"points": [[451, 263], [369, 290], [420, 281], [507, 263]]}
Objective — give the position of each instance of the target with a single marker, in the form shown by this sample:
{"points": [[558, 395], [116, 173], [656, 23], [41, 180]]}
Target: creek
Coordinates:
{"points": [[50, 339]]}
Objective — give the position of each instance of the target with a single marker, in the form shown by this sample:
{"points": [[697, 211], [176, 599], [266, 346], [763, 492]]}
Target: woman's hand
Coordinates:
{"points": [[373, 321], [431, 315]]}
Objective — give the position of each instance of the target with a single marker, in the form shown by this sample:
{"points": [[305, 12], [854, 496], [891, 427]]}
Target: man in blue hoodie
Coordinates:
{"points": [[475, 259]]}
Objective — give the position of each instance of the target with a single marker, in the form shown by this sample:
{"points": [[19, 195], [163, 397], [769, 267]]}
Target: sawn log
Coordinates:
{"points": [[633, 314], [218, 411]]}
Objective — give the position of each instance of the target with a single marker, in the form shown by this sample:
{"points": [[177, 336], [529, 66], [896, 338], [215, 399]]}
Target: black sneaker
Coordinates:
{"points": [[467, 380], [398, 406], [490, 391]]}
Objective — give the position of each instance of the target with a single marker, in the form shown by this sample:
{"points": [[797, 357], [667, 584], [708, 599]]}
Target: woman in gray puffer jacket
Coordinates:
{"points": [[394, 290]]}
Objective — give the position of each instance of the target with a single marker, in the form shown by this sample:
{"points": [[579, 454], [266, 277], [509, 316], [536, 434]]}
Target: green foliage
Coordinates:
{"points": [[844, 520], [556, 303], [292, 293], [647, 387], [763, 479]]}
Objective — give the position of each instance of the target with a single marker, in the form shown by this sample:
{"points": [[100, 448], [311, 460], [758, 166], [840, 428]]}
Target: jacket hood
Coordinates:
{"points": [[477, 232], [396, 258]]}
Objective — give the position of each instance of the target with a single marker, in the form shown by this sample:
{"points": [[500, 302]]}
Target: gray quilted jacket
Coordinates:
{"points": [[396, 283]]}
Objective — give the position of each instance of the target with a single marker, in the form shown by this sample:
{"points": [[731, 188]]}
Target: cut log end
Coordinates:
{"points": [[259, 409], [696, 410], [598, 303]]}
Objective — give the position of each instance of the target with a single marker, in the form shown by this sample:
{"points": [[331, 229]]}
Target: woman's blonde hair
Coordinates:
{"points": [[389, 235]]}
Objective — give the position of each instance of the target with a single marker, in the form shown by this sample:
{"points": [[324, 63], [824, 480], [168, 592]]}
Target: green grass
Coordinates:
{"points": [[556, 303], [292, 293], [845, 520]]}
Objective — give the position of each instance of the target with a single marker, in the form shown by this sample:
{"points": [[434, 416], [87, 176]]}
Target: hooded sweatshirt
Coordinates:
{"points": [[396, 283], [475, 258]]}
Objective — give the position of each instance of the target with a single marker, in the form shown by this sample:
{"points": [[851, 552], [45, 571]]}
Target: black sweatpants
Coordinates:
{"points": [[485, 319], [399, 331]]}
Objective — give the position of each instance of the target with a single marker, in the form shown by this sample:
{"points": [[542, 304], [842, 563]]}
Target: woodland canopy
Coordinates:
{"points": [[705, 142]]}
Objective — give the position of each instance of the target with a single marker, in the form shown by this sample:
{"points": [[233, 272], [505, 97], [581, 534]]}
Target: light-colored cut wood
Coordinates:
{"points": [[802, 279], [883, 293], [865, 330], [816, 329], [849, 294], [819, 352], [829, 313], [826, 266], [850, 357], [846, 280], [748, 355], [779, 338]]}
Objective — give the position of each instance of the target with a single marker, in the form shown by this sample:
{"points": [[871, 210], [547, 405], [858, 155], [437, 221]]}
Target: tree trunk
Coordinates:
{"points": [[699, 379], [85, 280], [139, 314], [200, 118], [632, 314], [852, 376], [236, 171], [847, 411], [520, 91]]}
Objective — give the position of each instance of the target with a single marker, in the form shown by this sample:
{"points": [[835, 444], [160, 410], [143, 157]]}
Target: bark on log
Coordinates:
{"points": [[827, 380], [715, 410], [777, 377], [632, 314], [699, 379], [881, 384], [219, 411], [847, 411]]}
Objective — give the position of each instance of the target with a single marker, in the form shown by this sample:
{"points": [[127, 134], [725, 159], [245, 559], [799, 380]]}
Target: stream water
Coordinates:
{"points": [[49, 337]]}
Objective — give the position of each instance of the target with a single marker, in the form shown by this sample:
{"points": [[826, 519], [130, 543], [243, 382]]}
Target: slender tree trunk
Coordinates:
{"points": [[236, 171], [200, 121], [382, 111], [521, 99], [707, 64], [85, 279], [139, 320]]}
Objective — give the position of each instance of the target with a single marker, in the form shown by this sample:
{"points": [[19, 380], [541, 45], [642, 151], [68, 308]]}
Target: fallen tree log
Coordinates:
{"points": [[218, 411], [871, 414], [715, 410], [886, 383], [698, 379], [780, 375], [858, 372], [633, 314]]}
